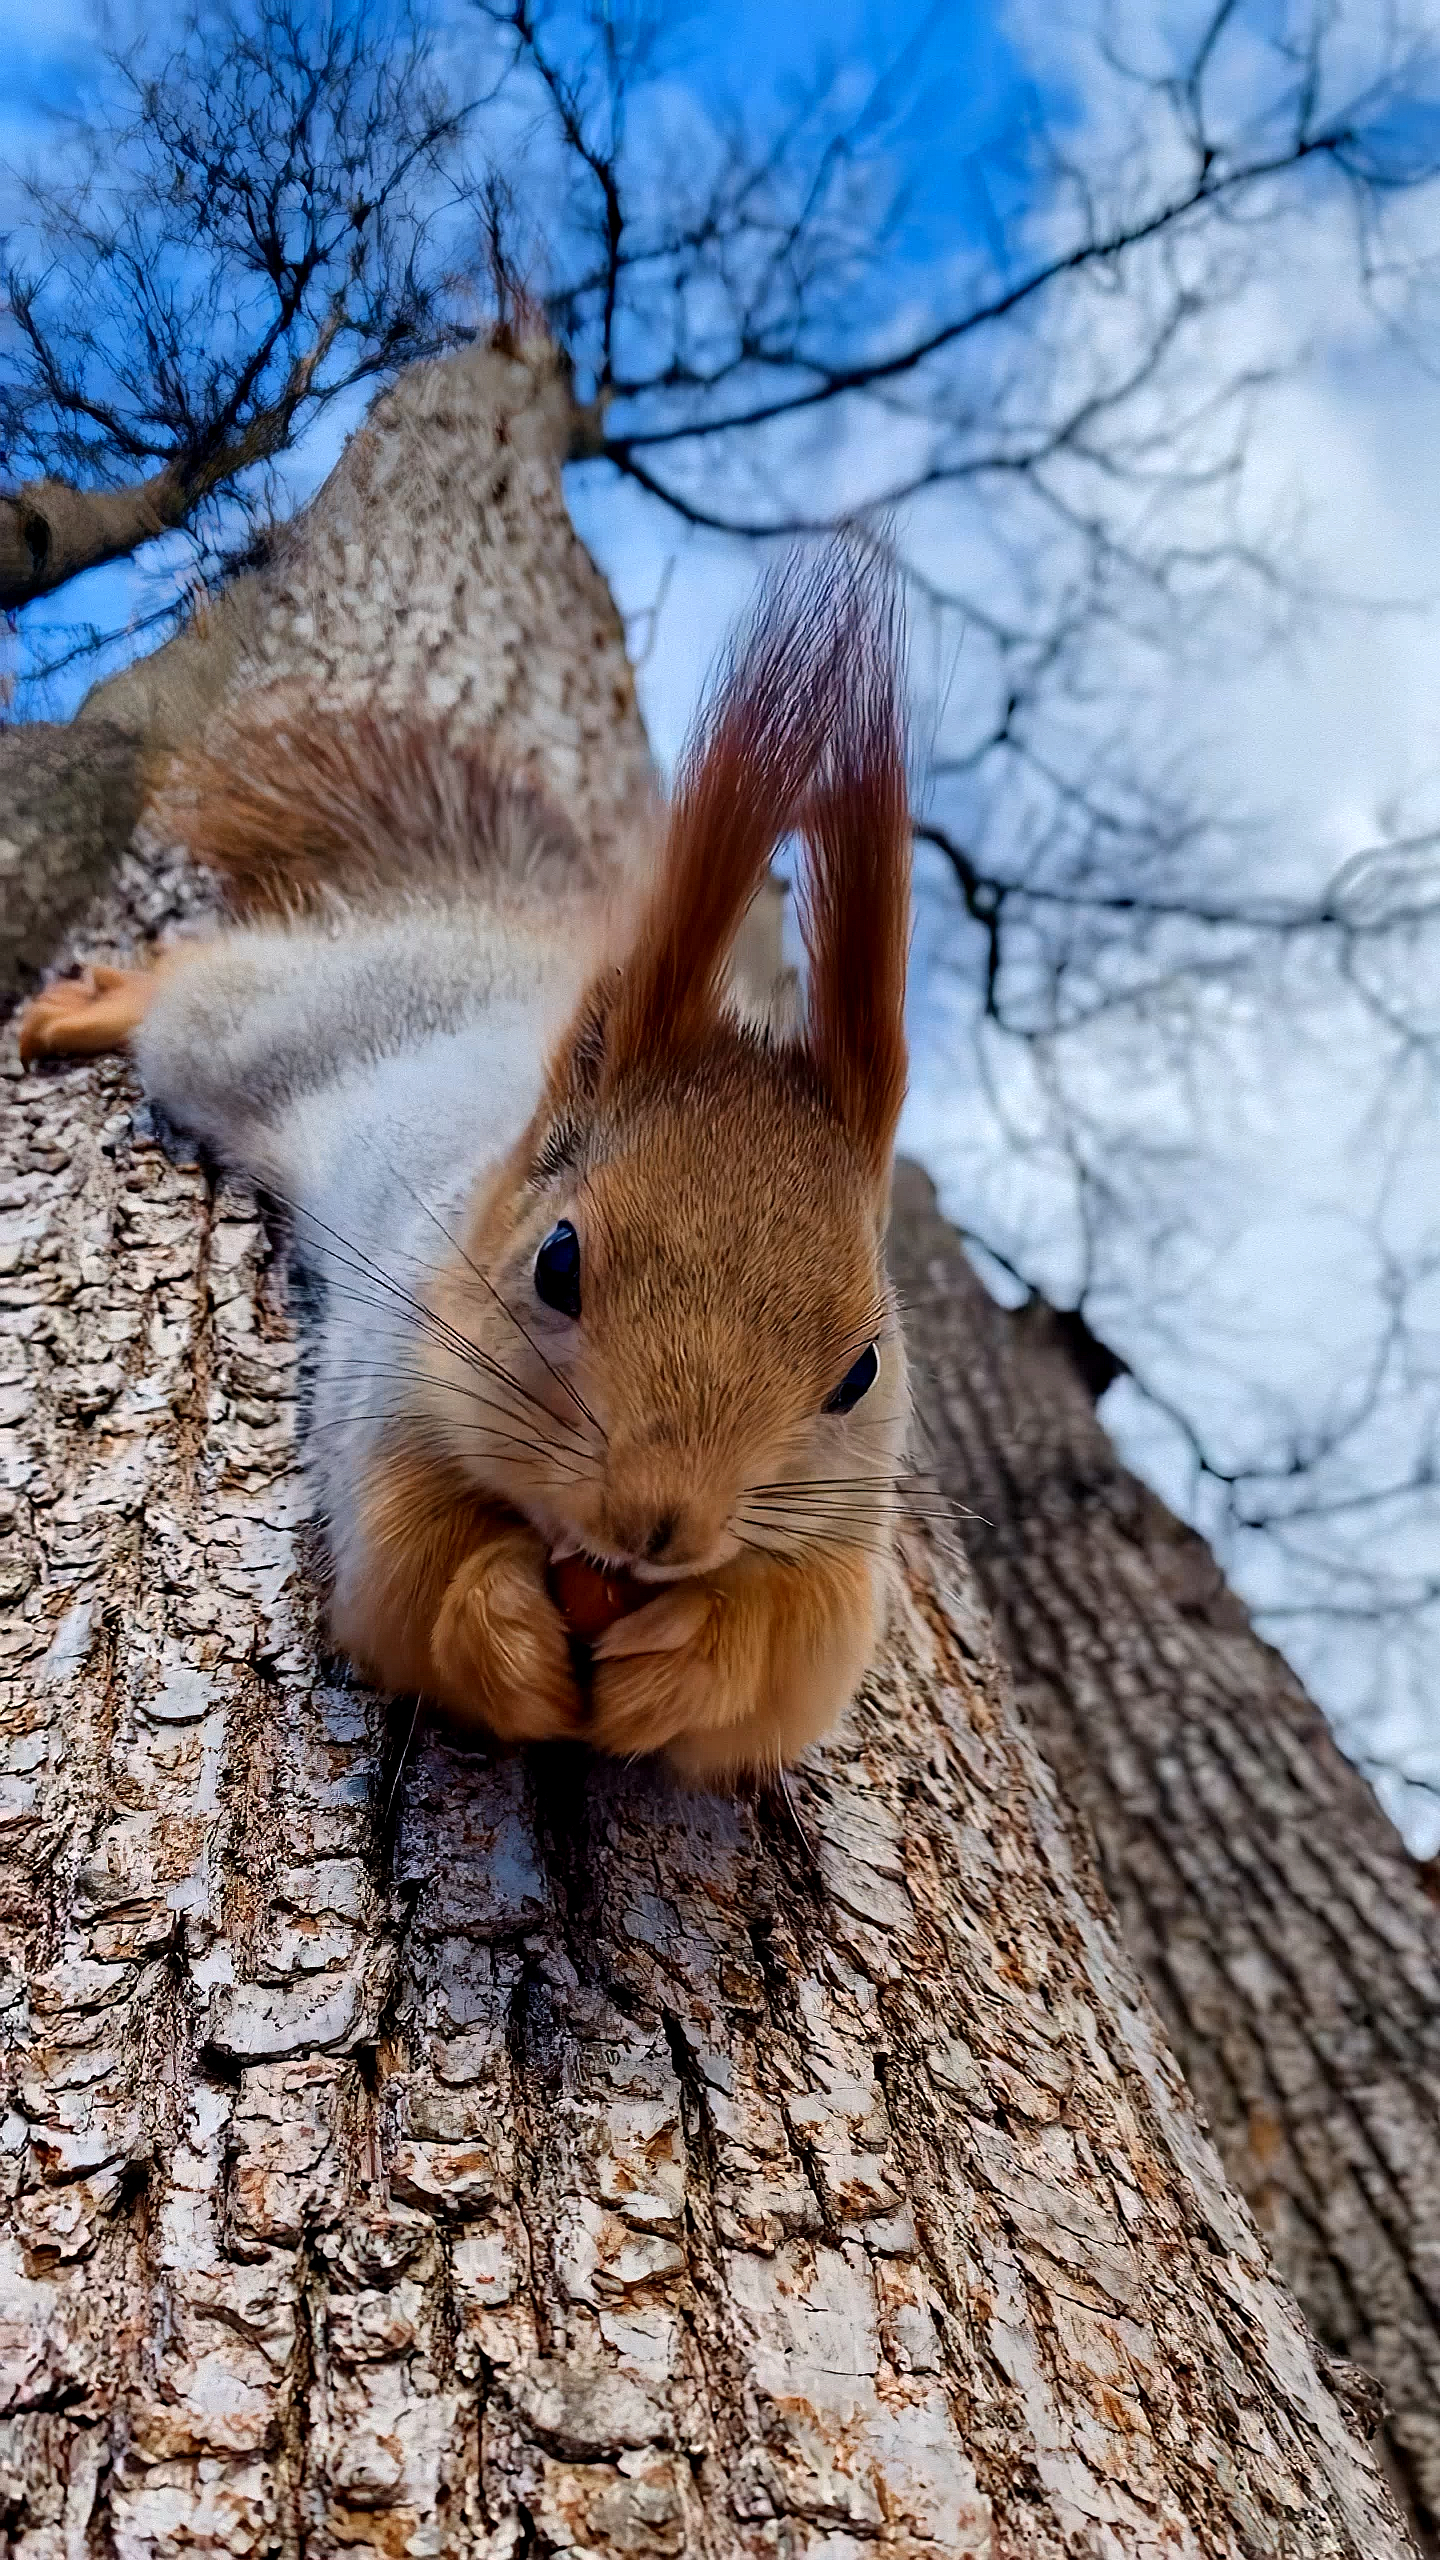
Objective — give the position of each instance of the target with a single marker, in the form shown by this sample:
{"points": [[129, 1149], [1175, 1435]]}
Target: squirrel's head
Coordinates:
{"points": [[680, 1270]]}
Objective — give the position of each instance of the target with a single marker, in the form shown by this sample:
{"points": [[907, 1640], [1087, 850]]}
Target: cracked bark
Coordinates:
{"points": [[67, 806], [463, 2153], [1286, 1935]]}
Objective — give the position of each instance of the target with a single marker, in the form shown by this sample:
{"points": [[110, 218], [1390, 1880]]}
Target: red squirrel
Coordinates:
{"points": [[603, 1255]]}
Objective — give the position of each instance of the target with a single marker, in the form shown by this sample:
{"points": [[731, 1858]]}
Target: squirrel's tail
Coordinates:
{"points": [[294, 807]]}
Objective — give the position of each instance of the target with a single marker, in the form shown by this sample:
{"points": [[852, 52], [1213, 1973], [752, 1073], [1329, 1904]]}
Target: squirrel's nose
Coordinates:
{"points": [[659, 1536]]}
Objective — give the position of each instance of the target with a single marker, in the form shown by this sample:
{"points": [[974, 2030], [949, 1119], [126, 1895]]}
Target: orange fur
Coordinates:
{"points": [[707, 1342], [855, 899], [730, 1188], [727, 1183], [290, 804], [452, 1601], [86, 1016], [739, 789], [738, 1669], [805, 733]]}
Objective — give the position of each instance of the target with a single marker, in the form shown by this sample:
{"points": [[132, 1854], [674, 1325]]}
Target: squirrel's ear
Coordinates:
{"points": [[855, 889], [744, 781], [579, 1067]]}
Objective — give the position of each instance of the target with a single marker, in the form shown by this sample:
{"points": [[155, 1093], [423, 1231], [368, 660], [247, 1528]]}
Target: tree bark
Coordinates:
{"points": [[50, 531], [467, 2153], [1286, 1934], [67, 806]]}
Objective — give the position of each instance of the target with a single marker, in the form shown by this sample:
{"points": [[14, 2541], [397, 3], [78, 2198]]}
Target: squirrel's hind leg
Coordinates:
{"points": [[83, 1017]]}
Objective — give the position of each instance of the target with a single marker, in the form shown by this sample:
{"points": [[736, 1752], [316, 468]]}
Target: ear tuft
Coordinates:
{"points": [[855, 891], [762, 749]]}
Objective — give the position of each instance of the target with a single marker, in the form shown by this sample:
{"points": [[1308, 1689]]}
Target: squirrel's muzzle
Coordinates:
{"points": [[656, 1508]]}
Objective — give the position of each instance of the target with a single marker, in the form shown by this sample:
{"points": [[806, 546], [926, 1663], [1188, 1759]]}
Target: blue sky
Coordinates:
{"points": [[970, 93]]}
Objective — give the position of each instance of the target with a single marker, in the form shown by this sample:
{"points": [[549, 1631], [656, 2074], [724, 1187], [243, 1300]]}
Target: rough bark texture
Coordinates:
{"points": [[67, 806], [1283, 1928], [167, 697], [465, 2153]]}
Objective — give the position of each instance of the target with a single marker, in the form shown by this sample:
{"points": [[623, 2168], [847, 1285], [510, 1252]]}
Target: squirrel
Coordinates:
{"points": [[602, 1252]]}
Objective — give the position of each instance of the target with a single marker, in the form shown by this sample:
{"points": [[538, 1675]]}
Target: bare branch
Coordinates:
{"points": [[258, 221]]}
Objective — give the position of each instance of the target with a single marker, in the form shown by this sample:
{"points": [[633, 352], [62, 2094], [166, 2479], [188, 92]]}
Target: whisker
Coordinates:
{"points": [[446, 1335], [424, 1377], [895, 1505], [789, 1540], [897, 1497], [821, 1511], [781, 1515], [829, 1516], [549, 1471], [879, 1491], [400, 1765], [471, 1395], [834, 1521], [545, 1460], [506, 1310], [755, 1545], [794, 1812], [886, 1477], [362, 1266], [775, 1514]]}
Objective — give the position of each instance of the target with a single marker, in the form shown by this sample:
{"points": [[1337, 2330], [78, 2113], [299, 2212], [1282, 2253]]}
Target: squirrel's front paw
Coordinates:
{"points": [[82, 1017], [500, 1648], [658, 1674]]}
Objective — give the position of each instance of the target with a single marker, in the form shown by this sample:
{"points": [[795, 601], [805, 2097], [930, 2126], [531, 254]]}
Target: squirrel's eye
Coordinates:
{"points": [[856, 1382], [557, 1270]]}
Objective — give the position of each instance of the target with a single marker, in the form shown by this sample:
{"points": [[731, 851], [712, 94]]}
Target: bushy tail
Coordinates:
{"points": [[294, 807]]}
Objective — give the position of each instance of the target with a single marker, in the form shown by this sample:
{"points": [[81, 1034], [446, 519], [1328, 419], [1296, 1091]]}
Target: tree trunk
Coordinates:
{"points": [[1284, 1930], [464, 2153], [67, 806]]}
